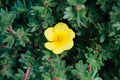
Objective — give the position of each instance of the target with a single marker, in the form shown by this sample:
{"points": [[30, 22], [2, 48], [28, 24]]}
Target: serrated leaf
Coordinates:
{"points": [[9, 40], [19, 6], [94, 61], [11, 17], [80, 69], [6, 19], [19, 75], [74, 72], [41, 9]]}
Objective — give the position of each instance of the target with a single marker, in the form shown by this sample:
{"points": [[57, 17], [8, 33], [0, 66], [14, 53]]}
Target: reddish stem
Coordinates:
{"points": [[27, 73], [40, 29], [89, 67], [11, 30]]}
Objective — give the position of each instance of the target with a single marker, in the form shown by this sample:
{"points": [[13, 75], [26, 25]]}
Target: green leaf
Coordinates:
{"points": [[19, 6], [94, 61], [81, 1], [112, 34], [100, 1], [68, 14], [72, 2], [19, 75], [27, 59], [6, 19], [11, 18], [74, 72], [81, 67], [40, 9], [75, 2], [80, 70], [34, 26], [9, 40], [98, 78], [117, 26], [102, 38], [117, 41]]}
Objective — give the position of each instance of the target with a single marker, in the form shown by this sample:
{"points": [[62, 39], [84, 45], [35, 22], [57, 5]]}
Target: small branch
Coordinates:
{"points": [[19, 36], [3, 46], [12, 31], [40, 29], [56, 78], [89, 67], [27, 73], [52, 71]]}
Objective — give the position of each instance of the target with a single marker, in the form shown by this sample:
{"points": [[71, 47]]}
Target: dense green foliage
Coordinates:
{"points": [[96, 51]]}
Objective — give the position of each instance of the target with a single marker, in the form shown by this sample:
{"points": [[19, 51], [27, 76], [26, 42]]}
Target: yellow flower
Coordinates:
{"points": [[59, 37]]}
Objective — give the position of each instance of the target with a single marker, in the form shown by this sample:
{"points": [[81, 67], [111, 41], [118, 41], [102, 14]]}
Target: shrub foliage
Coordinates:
{"points": [[96, 51]]}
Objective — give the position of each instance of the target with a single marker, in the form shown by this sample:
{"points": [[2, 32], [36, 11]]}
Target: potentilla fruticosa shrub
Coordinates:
{"points": [[59, 39]]}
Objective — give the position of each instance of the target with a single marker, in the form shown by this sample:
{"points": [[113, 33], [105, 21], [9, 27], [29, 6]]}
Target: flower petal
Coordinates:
{"points": [[68, 45], [49, 34], [53, 47], [58, 50], [60, 27], [50, 45], [71, 34]]}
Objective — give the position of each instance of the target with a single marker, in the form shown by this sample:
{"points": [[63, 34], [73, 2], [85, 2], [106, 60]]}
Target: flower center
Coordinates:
{"points": [[59, 38]]}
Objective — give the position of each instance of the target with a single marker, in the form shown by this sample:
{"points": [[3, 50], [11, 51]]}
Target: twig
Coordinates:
{"points": [[89, 67], [40, 30], [19, 36], [27, 73], [3, 46], [12, 31]]}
